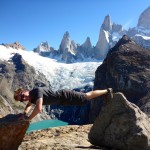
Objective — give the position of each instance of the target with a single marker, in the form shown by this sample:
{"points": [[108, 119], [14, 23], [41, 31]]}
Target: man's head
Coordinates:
{"points": [[21, 95]]}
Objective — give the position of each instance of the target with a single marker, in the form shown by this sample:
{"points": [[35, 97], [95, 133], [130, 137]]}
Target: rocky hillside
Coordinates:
{"points": [[14, 74], [125, 69]]}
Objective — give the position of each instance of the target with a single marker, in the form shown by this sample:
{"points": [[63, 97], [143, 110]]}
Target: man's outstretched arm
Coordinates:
{"points": [[37, 109], [27, 108]]}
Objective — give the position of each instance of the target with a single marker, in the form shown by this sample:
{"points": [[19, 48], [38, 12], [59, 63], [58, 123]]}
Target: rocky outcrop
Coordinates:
{"points": [[15, 45], [12, 132], [121, 125], [125, 69]]}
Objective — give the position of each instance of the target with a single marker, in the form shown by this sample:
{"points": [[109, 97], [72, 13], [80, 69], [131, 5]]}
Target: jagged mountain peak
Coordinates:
{"points": [[66, 41], [88, 40], [144, 19], [107, 24], [44, 44], [67, 48], [42, 47], [87, 43], [109, 35], [66, 35]]}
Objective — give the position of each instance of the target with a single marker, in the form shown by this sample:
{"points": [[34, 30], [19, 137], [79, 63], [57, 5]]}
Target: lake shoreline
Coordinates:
{"points": [[44, 124]]}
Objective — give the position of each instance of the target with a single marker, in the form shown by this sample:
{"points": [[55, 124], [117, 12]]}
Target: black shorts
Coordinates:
{"points": [[68, 97]]}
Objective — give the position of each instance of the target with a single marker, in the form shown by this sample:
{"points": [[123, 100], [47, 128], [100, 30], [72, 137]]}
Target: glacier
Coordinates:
{"points": [[59, 74]]}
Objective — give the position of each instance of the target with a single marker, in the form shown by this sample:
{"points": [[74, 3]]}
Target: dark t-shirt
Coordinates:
{"points": [[48, 95], [60, 97]]}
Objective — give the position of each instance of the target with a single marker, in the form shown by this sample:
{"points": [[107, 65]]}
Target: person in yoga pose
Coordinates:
{"points": [[45, 96]]}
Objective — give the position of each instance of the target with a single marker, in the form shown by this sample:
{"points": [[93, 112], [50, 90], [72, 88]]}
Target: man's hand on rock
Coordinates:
{"points": [[23, 117], [26, 118]]}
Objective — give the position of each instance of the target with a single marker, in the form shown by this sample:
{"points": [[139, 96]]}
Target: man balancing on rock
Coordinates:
{"points": [[44, 96]]}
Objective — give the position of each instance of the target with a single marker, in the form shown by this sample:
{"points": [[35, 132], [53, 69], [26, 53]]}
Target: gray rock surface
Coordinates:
{"points": [[121, 125]]}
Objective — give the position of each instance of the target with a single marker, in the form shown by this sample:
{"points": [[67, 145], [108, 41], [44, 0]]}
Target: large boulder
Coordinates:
{"points": [[12, 132], [121, 125], [126, 69]]}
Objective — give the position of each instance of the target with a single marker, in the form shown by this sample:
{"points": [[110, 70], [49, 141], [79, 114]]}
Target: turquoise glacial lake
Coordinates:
{"points": [[45, 124]]}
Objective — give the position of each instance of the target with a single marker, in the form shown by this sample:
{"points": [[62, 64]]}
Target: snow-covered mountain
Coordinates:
{"points": [[60, 75], [70, 52], [110, 33]]}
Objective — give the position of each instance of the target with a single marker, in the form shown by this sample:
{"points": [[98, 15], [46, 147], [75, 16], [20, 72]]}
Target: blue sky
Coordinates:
{"points": [[34, 21]]}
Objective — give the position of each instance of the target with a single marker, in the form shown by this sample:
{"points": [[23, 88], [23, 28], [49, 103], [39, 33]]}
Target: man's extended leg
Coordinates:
{"points": [[96, 93]]}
